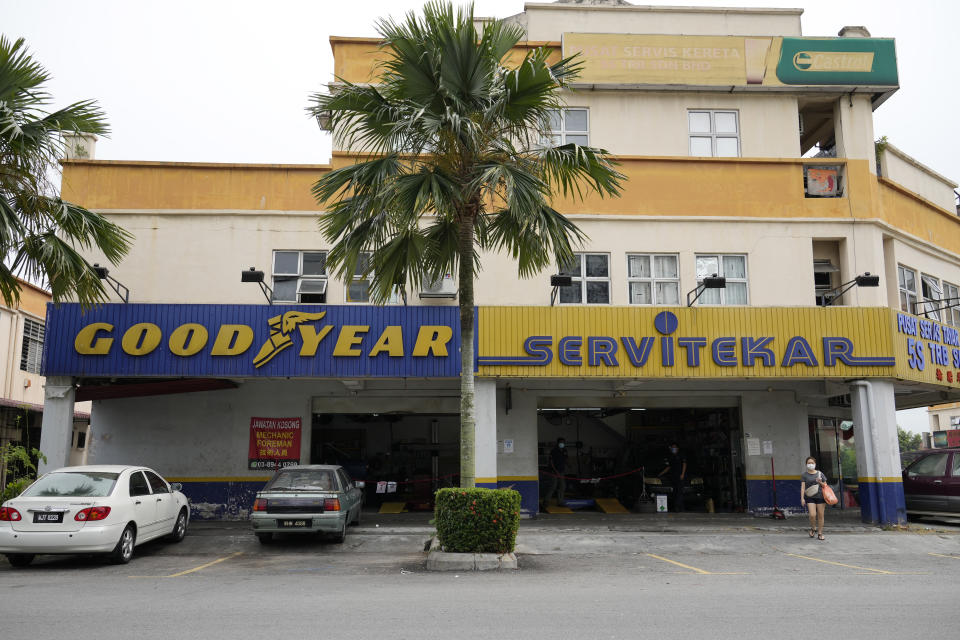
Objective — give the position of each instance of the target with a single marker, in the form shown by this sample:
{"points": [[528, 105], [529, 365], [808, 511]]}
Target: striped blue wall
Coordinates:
{"points": [[882, 502]]}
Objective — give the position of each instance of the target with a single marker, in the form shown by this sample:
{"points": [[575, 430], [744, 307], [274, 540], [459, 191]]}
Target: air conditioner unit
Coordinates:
{"points": [[443, 287]]}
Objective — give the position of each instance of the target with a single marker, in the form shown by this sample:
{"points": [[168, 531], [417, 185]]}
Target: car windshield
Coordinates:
{"points": [[303, 479], [88, 484]]}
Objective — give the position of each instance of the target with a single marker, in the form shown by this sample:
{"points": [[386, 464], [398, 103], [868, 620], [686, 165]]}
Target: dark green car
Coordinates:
{"points": [[317, 498]]}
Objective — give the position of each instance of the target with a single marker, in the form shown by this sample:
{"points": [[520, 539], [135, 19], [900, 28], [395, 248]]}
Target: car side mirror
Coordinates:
{"points": [[360, 484], [176, 486]]}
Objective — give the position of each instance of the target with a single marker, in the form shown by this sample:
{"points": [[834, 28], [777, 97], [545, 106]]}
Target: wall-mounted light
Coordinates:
{"points": [[104, 274], [866, 280], [710, 282], [253, 275], [556, 282]]}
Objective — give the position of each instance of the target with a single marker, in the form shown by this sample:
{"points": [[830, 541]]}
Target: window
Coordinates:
{"points": [[931, 466], [714, 134], [653, 278], [157, 483], [32, 349], [823, 270], [955, 467], [569, 126], [907, 280], [591, 279], [300, 276], [932, 294], [731, 267], [138, 485], [345, 482], [358, 290], [951, 296]]}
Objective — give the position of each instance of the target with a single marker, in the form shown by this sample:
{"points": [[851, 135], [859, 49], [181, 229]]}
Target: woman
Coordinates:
{"points": [[811, 496]]}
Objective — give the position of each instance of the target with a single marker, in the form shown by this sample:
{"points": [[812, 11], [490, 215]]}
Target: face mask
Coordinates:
{"points": [[811, 466], [560, 445], [674, 449]]}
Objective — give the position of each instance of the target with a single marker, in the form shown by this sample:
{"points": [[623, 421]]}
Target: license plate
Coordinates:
{"points": [[293, 524], [48, 517]]}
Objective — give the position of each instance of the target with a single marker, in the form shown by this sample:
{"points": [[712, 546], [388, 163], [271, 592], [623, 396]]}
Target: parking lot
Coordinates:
{"points": [[669, 574]]}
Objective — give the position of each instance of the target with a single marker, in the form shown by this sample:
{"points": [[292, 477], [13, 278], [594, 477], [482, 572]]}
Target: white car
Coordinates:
{"points": [[92, 509]]}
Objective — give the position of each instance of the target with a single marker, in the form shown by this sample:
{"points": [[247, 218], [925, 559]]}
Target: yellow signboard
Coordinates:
{"points": [[610, 58], [715, 342]]}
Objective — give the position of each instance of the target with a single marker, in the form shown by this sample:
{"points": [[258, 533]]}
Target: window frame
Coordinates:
{"points": [[563, 132], [713, 134], [906, 293], [931, 304], [583, 279], [951, 292], [31, 345], [299, 277], [653, 280], [723, 292]]}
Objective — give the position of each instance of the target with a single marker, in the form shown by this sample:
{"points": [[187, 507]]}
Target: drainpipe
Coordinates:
{"points": [[874, 439]]}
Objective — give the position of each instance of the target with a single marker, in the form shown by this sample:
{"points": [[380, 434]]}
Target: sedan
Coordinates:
{"points": [[106, 509], [931, 483], [307, 499]]}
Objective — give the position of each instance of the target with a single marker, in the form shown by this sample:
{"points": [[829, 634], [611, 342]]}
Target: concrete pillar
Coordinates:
{"points": [[853, 128], [485, 443], [57, 426], [519, 469], [776, 417], [878, 452]]}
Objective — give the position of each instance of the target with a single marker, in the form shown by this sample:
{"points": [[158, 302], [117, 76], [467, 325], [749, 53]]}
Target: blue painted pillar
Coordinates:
{"points": [[878, 452]]}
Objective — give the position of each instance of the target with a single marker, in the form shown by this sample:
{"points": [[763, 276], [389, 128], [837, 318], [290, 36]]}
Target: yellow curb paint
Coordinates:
{"points": [[940, 555], [680, 564], [204, 566], [840, 564]]}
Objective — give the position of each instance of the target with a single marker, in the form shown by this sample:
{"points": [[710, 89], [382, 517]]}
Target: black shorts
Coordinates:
{"points": [[817, 499]]}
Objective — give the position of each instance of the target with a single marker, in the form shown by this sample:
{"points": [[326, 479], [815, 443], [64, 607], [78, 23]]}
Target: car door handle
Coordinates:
{"points": [[159, 499], [137, 502], [938, 482]]}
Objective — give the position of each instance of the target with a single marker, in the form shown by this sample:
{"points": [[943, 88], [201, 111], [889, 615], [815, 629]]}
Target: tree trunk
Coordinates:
{"points": [[468, 419]]}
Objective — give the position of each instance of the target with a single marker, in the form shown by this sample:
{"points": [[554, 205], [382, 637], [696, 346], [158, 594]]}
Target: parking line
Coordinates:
{"points": [[680, 564], [940, 555], [204, 566], [840, 564]]}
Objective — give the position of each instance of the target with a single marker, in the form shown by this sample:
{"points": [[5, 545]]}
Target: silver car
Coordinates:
{"points": [[317, 498]]}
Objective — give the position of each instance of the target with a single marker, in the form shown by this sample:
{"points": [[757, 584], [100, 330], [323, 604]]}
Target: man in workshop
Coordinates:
{"points": [[677, 468], [558, 467]]}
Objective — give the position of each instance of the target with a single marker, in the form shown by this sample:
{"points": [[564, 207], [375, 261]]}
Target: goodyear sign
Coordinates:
{"points": [[732, 60], [252, 341], [713, 342]]}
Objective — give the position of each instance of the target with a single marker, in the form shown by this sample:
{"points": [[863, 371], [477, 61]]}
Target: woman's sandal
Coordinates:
{"points": [[812, 533], [820, 537]]}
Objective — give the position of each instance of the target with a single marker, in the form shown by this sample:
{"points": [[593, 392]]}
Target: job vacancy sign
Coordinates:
{"points": [[274, 443]]}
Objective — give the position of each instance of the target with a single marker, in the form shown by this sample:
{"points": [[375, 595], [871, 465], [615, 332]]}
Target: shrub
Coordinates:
{"points": [[477, 520]]}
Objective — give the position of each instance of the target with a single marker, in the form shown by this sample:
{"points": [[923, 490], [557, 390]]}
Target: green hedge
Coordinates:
{"points": [[477, 520]]}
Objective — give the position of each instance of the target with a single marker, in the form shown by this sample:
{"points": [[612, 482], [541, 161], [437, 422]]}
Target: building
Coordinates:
{"points": [[21, 386], [750, 155], [944, 426]]}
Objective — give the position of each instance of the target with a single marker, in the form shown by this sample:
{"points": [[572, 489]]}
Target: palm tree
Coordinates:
{"points": [[454, 163], [40, 234]]}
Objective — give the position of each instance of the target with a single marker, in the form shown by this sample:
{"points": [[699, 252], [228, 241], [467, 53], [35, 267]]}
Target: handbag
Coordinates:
{"points": [[829, 496], [812, 490]]}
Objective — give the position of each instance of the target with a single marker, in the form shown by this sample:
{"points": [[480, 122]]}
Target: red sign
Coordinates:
{"points": [[953, 439], [274, 443]]}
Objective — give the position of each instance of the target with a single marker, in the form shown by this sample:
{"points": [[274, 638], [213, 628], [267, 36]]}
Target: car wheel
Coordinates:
{"points": [[20, 559], [265, 538], [340, 536], [180, 528], [123, 552]]}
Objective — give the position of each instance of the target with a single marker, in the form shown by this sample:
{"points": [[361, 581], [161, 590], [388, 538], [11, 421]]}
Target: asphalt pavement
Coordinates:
{"points": [[581, 576]]}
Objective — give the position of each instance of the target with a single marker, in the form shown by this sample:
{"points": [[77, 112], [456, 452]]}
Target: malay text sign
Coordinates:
{"points": [[274, 443]]}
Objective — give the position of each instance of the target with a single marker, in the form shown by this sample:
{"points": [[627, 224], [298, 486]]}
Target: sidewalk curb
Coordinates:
{"points": [[445, 561]]}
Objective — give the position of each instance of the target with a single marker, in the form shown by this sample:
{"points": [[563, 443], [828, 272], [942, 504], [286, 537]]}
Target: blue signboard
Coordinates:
{"points": [[322, 341]]}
